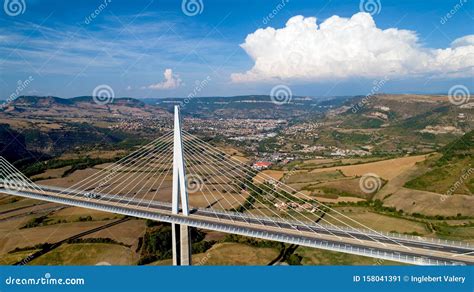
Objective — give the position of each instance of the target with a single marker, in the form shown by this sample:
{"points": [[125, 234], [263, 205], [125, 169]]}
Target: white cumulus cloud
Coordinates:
{"points": [[464, 41], [348, 47], [171, 81]]}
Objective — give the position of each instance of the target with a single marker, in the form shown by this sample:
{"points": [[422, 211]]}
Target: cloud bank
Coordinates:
{"points": [[171, 81], [348, 47]]}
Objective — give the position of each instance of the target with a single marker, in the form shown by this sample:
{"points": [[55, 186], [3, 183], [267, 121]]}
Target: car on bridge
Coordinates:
{"points": [[92, 196]]}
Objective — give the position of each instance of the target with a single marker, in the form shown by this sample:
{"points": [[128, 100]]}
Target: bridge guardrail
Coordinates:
{"points": [[313, 242], [390, 235]]}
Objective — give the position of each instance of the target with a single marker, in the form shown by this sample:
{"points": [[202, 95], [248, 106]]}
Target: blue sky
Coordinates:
{"points": [[129, 45]]}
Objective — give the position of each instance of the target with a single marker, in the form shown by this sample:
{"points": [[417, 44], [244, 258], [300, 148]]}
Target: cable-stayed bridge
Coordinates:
{"points": [[183, 180]]}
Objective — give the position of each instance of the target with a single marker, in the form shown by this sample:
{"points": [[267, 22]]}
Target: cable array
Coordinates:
{"points": [[216, 181]]}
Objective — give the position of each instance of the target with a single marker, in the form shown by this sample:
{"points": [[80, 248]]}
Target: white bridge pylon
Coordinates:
{"points": [[180, 233]]}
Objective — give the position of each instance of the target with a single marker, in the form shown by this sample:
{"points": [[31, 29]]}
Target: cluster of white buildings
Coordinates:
{"points": [[282, 206]]}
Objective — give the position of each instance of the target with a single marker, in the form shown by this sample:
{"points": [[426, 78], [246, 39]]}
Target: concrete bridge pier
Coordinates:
{"points": [[181, 238], [181, 245]]}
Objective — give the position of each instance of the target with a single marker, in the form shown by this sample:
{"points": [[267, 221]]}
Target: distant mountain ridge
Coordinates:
{"points": [[53, 100], [52, 125]]}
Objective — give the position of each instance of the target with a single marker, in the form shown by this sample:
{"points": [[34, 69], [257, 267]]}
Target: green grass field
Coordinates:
{"points": [[312, 256], [440, 178], [87, 254], [12, 258], [227, 253]]}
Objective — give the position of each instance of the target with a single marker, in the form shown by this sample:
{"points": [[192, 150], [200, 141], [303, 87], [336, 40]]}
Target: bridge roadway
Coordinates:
{"points": [[353, 241]]}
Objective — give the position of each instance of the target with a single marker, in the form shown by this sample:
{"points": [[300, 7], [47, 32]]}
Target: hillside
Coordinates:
{"points": [[385, 124], [251, 106], [396, 123], [51, 125], [452, 172], [13, 145]]}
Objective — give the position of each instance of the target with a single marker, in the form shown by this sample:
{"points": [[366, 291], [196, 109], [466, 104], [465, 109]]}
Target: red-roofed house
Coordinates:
{"points": [[259, 165]]}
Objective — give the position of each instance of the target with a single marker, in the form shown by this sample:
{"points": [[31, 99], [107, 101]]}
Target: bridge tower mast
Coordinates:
{"points": [[180, 233]]}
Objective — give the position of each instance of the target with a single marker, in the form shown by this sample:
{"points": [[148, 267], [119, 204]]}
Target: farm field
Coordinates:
{"points": [[338, 187], [375, 221], [387, 169], [226, 253], [72, 214], [31, 236], [12, 258], [332, 162], [266, 175], [312, 256], [431, 204], [51, 173], [97, 254]]}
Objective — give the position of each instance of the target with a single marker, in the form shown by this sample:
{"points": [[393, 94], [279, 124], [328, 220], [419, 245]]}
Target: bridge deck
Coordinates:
{"points": [[313, 235]]}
